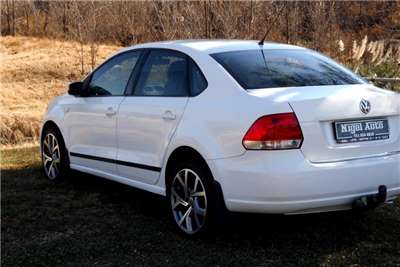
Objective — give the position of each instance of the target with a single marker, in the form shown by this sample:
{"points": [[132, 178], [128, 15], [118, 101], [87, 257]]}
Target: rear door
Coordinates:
{"points": [[91, 120], [148, 118]]}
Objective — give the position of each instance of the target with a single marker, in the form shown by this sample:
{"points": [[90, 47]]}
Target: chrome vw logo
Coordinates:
{"points": [[365, 106]]}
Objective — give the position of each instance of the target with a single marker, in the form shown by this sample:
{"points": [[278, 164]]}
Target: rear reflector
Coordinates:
{"points": [[277, 131]]}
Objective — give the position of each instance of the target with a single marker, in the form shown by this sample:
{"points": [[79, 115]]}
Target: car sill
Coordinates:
{"points": [[118, 162]]}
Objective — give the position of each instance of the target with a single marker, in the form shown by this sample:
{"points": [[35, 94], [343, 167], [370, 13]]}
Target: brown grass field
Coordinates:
{"points": [[32, 72]]}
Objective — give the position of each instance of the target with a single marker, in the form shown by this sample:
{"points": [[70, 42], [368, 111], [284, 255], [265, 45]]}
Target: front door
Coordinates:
{"points": [[91, 118]]}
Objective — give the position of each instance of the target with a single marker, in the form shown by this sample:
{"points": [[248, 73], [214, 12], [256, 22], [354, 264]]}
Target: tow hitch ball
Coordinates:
{"points": [[371, 201]]}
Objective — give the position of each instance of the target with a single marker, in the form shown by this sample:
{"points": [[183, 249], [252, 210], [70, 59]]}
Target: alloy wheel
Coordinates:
{"points": [[188, 201], [51, 156]]}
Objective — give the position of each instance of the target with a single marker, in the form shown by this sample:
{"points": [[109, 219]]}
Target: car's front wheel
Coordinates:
{"points": [[191, 195], [54, 157]]}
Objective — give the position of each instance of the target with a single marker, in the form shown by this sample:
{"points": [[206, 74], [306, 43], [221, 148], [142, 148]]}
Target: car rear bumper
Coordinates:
{"points": [[285, 182]]}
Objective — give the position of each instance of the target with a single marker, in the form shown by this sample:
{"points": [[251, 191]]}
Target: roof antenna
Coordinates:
{"points": [[263, 39], [262, 50], [274, 22]]}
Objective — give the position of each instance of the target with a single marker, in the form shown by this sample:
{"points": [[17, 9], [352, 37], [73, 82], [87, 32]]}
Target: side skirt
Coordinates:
{"points": [[147, 187]]}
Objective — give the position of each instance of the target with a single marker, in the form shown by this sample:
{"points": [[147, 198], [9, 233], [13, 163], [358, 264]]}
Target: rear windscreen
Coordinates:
{"points": [[254, 69]]}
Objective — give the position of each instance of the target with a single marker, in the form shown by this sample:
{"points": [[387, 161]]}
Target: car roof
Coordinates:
{"points": [[214, 46]]}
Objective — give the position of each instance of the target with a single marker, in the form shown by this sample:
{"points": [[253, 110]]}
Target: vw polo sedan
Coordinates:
{"points": [[229, 125]]}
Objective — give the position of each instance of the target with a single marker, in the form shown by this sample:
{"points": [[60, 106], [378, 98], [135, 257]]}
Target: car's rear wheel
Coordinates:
{"points": [[191, 195], [54, 157]]}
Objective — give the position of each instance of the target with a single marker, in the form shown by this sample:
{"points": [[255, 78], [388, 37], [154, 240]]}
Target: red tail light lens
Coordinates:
{"points": [[277, 131]]}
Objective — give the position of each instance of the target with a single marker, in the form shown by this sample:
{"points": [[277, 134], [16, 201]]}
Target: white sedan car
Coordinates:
{"points": [[236, 125]]}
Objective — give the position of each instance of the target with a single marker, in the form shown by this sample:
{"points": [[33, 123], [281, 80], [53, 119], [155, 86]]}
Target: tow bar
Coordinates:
{"points": [[371, 201]]}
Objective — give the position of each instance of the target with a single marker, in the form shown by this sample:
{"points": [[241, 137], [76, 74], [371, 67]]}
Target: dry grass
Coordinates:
{"points": [[32, 72], [375, 53]]}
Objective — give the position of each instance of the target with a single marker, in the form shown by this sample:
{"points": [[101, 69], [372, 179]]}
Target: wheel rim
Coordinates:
{"points": [[51, 156], [188, 201]]}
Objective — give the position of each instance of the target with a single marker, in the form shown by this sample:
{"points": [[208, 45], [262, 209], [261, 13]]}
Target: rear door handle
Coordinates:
{"points": [[168, 115], [110, 112]]}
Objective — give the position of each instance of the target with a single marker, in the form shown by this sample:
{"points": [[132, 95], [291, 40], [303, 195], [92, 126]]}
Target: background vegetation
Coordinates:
{"points": [[33, 71], [45, 45]]}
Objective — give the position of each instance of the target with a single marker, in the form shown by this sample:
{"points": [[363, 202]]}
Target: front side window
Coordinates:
{"points": [[255, 69], [163, 74], [111, 78]]}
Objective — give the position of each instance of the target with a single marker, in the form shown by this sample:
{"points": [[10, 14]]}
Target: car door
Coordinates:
{"points": [[91, 120], [148, 118]]}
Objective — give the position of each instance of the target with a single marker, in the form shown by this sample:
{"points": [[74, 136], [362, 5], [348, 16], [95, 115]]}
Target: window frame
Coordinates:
{"points": [[88, 79], [192, 64], [145, 60], [132, 83]]}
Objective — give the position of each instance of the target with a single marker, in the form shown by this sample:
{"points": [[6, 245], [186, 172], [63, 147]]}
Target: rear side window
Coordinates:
{"points": [[163, 74], [198, 82], [255, 69], [112, 77]]}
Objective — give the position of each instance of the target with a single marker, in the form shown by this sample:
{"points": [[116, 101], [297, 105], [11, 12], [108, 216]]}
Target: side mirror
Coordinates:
{"points": [[75, 88]]}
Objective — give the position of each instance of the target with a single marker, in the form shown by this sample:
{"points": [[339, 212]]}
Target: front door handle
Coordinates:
{"points": [[168, 115], [110, 112]]}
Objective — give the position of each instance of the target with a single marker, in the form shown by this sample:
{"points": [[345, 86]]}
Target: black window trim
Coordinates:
{"points": [[135, 74], [88, 79], [133, 79], [192, 63], [136, 79], [137, 71]]}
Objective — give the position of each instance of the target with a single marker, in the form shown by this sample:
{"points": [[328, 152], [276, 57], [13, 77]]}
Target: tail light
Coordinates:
{"points": [[277, 131]]}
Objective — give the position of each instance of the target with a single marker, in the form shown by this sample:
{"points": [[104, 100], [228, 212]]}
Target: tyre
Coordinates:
{"points": [[54, 155], [192, 199]]}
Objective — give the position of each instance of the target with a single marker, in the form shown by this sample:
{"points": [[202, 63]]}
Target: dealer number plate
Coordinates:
{"points": [[361, 130]]}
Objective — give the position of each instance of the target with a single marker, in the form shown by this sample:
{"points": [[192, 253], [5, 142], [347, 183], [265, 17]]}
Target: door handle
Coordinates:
{"points": [[168, 115], [110, 112]]}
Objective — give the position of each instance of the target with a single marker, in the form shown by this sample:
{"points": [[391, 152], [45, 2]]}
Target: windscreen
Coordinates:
{"points": [[254, 69]]}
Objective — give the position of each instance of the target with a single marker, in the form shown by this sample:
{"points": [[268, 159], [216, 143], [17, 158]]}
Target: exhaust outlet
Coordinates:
{"points": [[371, 201]]}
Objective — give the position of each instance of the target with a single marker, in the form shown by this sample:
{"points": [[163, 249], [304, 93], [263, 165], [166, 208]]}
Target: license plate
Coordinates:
{"points": [[361, 130]]}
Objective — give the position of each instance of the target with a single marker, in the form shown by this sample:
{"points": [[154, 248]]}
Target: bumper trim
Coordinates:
{"points": [[381, 155], [316, 205]]}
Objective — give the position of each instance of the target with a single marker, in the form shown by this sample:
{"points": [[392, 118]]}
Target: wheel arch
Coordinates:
{"points": [[183, 153], [52, 124], [49, 124], [187, 152]]}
